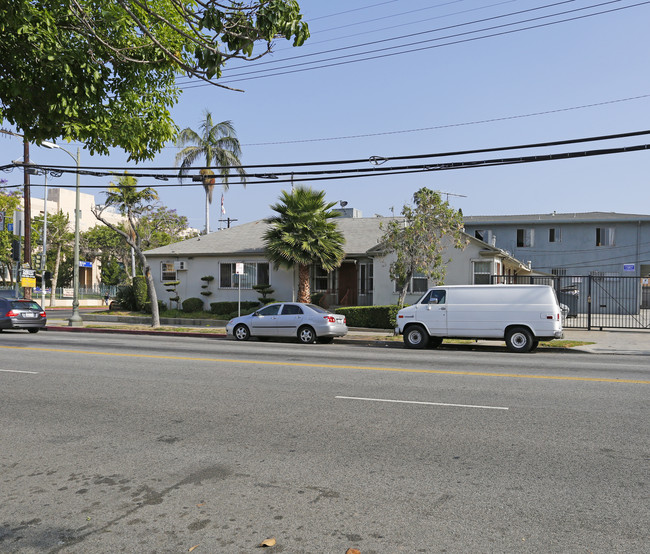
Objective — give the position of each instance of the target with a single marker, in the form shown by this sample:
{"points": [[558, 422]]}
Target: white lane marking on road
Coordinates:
{"points": [[18, 371], [425, 403]]}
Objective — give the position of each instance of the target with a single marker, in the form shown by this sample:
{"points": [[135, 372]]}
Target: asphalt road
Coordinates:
{"points": [[114, 443]]}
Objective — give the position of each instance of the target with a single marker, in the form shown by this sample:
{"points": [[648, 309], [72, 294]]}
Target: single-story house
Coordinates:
{"points": [[235, 259]]}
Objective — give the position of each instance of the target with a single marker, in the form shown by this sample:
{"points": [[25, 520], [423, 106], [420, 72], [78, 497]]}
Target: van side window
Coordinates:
{"points": [[435, 297]]}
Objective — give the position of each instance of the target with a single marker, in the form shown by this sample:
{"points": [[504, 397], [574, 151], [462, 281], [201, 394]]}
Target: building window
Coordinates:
{"points": [[559, 271], [554, 235], [365, 278], [604, 236], [167, 272], [525, 238], [418, 283], [320, 279], [482, 273], [254, 274]]}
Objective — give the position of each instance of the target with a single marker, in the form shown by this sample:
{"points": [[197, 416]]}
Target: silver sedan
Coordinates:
{"points": [[307, 322]]}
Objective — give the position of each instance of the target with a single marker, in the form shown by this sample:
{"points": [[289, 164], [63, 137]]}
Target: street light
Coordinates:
{"points": [[75, 320]]}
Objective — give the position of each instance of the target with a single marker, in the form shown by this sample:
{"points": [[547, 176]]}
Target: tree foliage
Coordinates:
{"points": [[104, 72], [132, 203], [304, 233], [419, 238]]}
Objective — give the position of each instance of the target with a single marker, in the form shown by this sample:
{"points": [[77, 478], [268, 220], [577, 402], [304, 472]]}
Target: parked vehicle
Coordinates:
{"points": [[16, 313], [522, 315], [307, 322]]}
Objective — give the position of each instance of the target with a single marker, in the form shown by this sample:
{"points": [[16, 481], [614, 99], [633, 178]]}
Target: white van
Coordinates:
{"points": [[522, 315]]}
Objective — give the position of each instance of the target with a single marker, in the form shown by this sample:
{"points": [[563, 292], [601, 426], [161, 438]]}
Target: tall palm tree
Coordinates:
{"points": [[304, 233], [216, 143]]}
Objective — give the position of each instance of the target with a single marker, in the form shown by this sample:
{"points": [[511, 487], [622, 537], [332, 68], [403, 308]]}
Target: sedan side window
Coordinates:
{"points": [[291, 309], [270, 310]]}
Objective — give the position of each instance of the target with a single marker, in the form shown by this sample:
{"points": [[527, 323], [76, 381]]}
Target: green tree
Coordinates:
{"points": [[132, 203], [160, 226], [117, 80], [419, 238], [215, 143], [59, 255], [9, 202], [106, 245], [304, 233]]}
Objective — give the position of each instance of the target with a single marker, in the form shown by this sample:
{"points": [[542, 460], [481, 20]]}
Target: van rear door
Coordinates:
{"points": [[432, 311]]}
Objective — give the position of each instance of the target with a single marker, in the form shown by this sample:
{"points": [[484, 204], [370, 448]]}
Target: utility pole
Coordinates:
{"points": [[27, 255], [228, 220]]}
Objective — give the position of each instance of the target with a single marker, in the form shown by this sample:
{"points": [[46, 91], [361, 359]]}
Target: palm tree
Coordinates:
{"points": [[216, 143], [132, 203], [302, 234]]}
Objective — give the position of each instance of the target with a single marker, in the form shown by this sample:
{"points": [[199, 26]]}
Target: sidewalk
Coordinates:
{"points": [[611, 341]]}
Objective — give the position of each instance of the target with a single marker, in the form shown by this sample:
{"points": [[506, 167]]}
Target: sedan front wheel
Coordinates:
{"points": [[241, 332]]}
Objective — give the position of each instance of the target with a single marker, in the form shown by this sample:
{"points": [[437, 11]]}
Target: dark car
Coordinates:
{"points": [[18, 313]]}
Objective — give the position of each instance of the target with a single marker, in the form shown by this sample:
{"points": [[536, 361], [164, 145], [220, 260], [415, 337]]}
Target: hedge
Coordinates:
{"points": [[231, 307], [372, 317]]}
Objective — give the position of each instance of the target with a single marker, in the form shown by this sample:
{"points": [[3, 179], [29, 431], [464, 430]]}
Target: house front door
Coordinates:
{"points": [[348, 284]]}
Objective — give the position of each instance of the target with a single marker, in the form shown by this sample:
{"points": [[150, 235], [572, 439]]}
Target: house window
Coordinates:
{"points": [[418, 283], [604, 236], [559, 271], [554, 235], [167, 272], [365, 278], [254, 274], [321, 280], [482, 273], [525, 238]]}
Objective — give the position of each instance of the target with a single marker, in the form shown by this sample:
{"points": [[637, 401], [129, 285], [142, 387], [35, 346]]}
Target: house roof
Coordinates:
{"points": [[554, 217], [361, 234]]}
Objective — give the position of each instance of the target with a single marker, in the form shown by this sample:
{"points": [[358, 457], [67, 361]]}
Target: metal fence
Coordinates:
{"points": [[596, 301]]}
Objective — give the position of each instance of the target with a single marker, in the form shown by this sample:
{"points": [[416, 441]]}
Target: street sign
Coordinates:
{"points": [[629, 267], [85, 264], [10, 227]]}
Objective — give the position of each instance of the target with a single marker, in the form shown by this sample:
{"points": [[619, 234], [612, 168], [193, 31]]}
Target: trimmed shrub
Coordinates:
{"points": [[372, 317], [225, 308], [192, 305], [125, 297], [140, 292]]}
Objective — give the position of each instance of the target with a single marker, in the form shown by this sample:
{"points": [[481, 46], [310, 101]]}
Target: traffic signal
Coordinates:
{"points": [[38, 258], [15, 250]]}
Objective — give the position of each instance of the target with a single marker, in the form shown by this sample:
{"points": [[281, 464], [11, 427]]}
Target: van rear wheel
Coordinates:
{"points": [[416, 336], [519, 339]]}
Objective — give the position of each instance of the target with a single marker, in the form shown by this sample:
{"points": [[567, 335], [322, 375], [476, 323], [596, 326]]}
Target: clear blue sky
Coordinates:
{"points": [[468, 95]]}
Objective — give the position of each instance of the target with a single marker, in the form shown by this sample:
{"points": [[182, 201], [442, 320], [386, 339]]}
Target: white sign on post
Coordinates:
{"points": [[239, 271]]}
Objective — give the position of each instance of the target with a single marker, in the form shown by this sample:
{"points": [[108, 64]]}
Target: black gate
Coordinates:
{"points": [[595, 301]]}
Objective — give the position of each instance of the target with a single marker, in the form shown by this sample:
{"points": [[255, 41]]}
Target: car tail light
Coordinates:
{"points": [[11, 313], [43, 314], [329, 318]]}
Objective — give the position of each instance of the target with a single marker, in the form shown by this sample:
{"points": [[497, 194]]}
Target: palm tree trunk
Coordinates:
{"points": [[207, 213], [304, 292]]}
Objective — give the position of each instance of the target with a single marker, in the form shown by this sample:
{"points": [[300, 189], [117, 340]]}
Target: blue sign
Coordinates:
{"points": [[10, 227], [628, 267], [85, 264]]}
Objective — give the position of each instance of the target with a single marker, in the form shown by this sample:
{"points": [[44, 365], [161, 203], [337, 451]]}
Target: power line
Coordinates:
{"points": [[342, 60]]}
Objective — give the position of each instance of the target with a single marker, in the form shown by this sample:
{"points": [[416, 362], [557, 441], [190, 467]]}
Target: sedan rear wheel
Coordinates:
{"points": [[306, 335], [33, 330], [241, 332]]}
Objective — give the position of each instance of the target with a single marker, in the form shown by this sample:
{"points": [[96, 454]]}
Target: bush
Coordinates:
{"points": [[140, 292], [193, 305], [125, 297], [372, 317], [147, 307], [225, 308]]}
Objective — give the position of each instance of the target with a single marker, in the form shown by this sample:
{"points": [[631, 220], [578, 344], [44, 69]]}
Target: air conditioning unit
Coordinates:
{"points": [[180, 266]]}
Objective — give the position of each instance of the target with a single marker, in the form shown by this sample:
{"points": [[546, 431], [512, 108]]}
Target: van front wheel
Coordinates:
{"points": [[519, 339], [416, 337]]}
